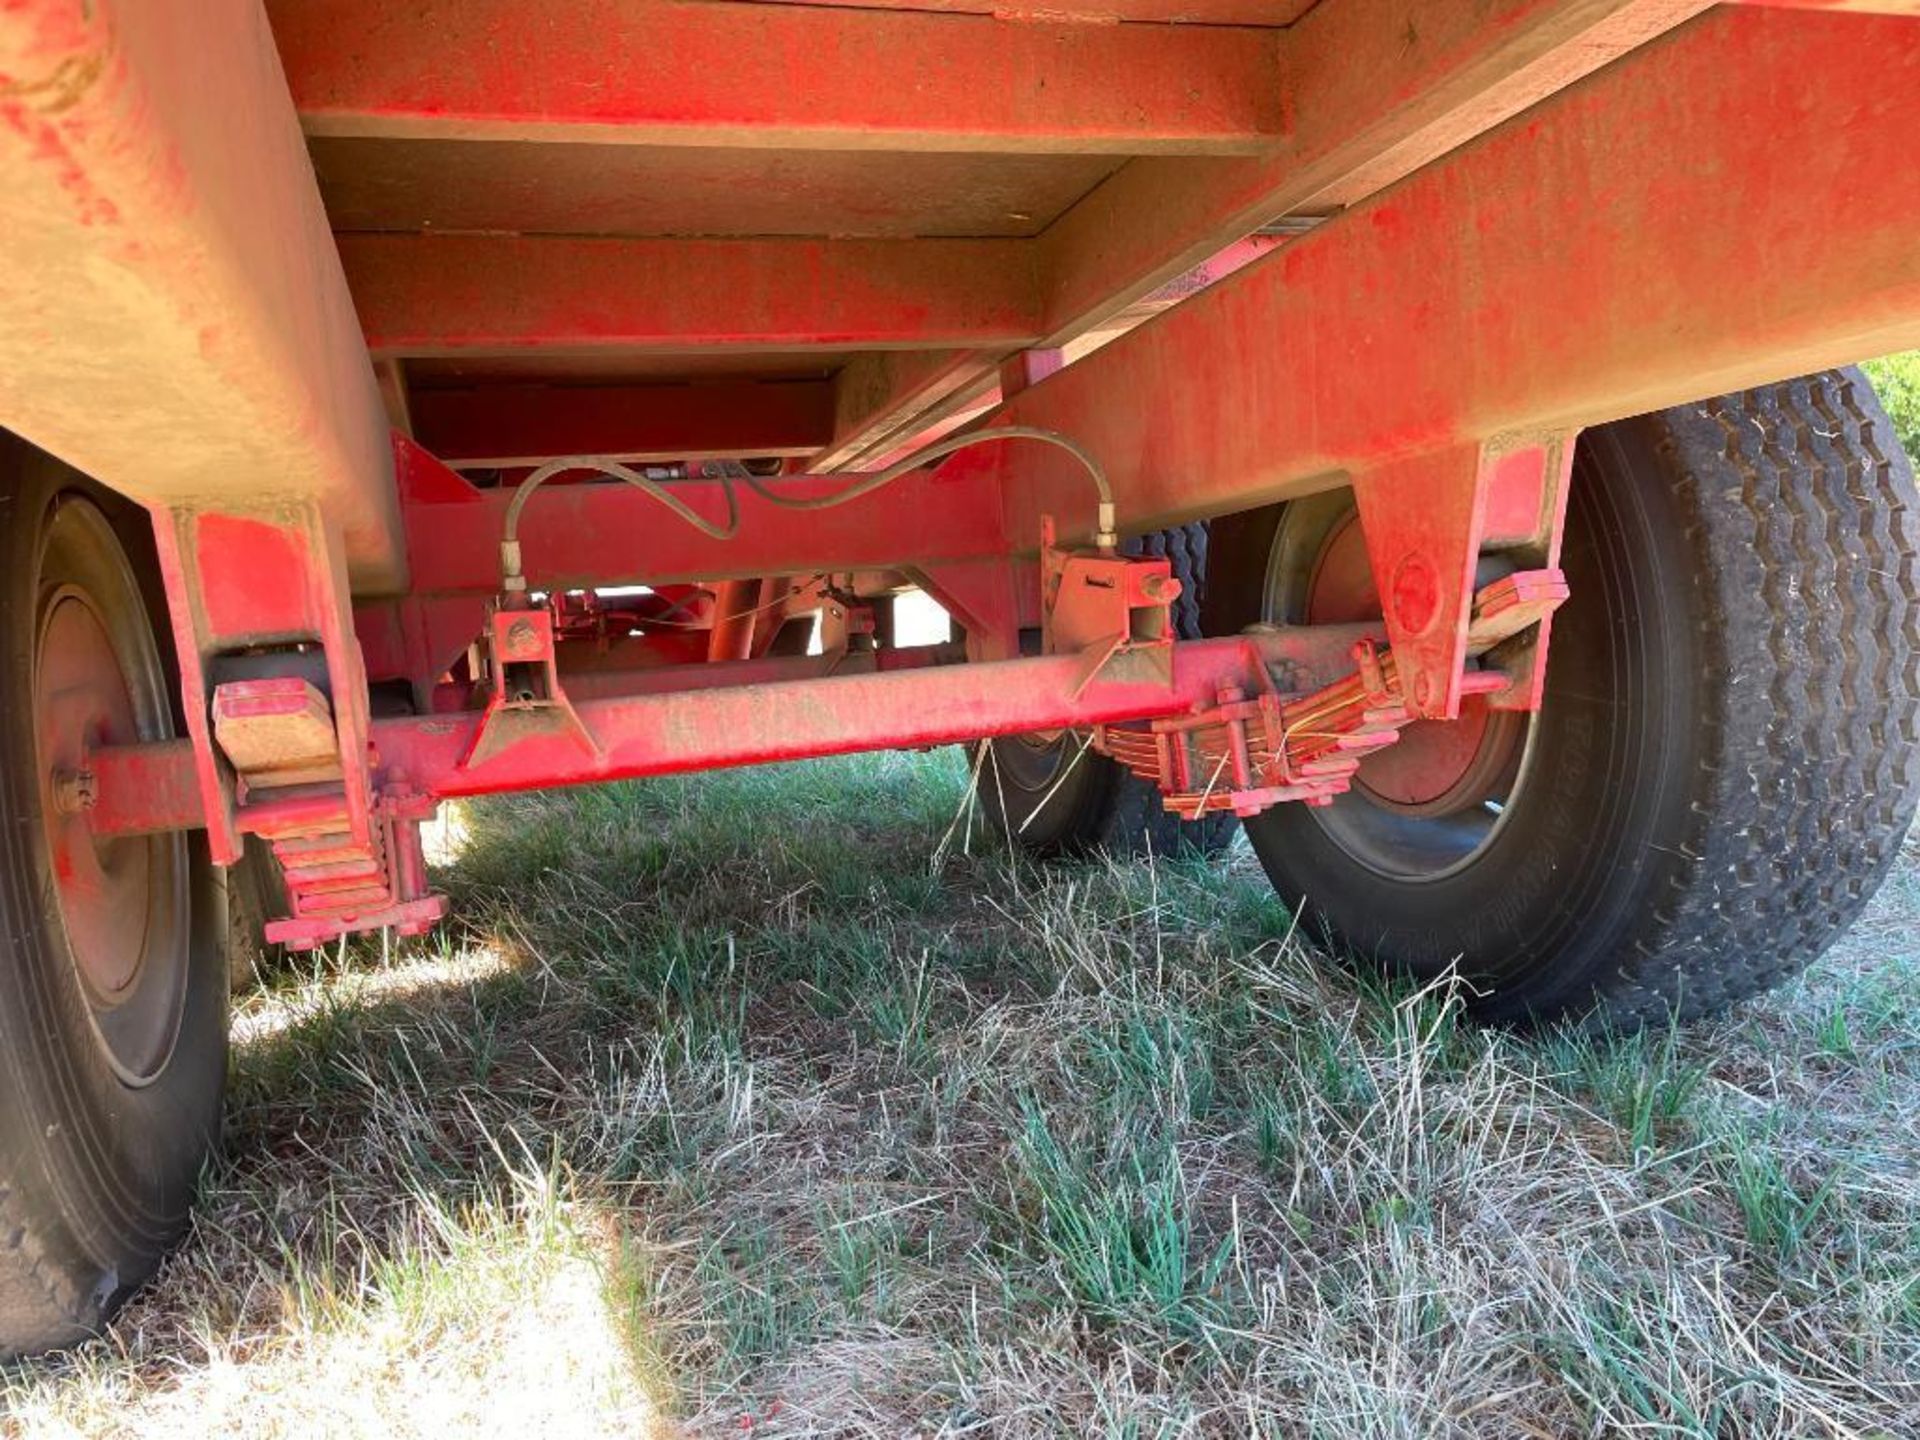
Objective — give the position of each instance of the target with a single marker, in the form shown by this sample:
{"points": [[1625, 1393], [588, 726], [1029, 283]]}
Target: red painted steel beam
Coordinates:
{"points": [[1639, 241], [1107, 12], [175, 321], [774, 76], [515, 425], [577, 536], [758, 724], [461, 294], [148, 788], [1375, 88]]}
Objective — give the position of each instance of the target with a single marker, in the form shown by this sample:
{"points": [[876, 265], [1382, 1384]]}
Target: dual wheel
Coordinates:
{"points": [[1727, 759]]}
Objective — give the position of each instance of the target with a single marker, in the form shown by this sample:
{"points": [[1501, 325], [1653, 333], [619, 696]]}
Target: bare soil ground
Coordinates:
{"points": [[769, 1102]]}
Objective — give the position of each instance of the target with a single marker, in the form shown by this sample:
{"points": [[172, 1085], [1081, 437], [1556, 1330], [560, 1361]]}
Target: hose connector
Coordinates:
{"points": [[1107, 535], [512, 580]]}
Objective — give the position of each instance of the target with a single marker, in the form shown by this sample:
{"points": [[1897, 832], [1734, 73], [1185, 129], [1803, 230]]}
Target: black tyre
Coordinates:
{"points": [[113, 980], [1725, 764], [256, 893], [1054, 797]]}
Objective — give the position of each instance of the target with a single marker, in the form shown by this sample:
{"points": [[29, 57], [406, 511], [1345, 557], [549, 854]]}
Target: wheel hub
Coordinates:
{"points": [[1437, 767], [1429, 804], [104, 886]]}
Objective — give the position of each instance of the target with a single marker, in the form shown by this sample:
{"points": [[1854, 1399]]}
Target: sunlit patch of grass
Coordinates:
{"points": [[486, 1318], [759, 1107]]}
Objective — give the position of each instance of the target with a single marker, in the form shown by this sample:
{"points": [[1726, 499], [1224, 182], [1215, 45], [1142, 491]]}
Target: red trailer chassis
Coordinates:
{"points": [[1473, 241]]}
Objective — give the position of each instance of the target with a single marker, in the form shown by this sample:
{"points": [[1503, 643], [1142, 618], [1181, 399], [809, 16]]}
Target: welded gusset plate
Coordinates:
{"points": [[1428, 521]]}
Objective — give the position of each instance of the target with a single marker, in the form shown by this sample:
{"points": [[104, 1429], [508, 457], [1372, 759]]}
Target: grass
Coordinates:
{"points": [[749, 1103]]}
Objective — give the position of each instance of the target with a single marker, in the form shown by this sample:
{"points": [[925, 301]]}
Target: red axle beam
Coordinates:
{"points": [[149, 787], [666, 734], [801, 77]]}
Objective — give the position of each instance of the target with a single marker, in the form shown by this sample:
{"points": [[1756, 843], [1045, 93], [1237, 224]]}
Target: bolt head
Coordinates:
{"points": [[522, 640], [74, 791]]}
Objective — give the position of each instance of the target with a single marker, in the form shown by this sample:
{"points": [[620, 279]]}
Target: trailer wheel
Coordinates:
{"points": [[1054, 797], [1725, 764], [113, 979], [256, 893]]}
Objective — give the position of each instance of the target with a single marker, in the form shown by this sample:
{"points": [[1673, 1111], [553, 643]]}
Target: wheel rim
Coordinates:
{"points": [[1430, 804], [121, 901]]}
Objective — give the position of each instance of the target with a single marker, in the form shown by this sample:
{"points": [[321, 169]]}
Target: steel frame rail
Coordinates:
{"points": [[176, 322]]}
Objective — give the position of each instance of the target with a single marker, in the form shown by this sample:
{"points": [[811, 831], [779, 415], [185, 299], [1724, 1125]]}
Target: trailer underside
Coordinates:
{"points": [[1237, 251]]}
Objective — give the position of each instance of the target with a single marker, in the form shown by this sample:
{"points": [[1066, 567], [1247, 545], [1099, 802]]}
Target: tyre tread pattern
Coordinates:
{"points": [[1137, 821], [1807, 536]]}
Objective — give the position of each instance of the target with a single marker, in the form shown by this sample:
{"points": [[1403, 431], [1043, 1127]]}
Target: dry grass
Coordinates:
{"points": [[741, 1104]]}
